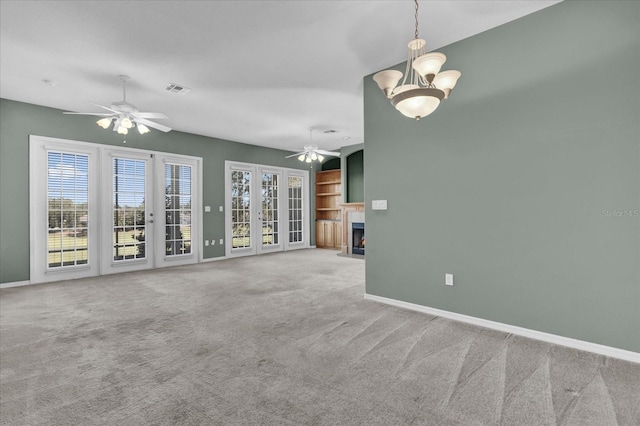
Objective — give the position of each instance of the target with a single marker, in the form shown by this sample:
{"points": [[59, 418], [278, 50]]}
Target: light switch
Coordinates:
{"points": [[378, 204], [221, 208], [206, 243]]}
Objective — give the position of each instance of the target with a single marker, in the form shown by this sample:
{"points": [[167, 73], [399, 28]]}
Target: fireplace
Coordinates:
{"points": [[357, 229], [352, 213]]}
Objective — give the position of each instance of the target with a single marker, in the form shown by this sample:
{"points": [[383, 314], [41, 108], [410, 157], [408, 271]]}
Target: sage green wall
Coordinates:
{"points": [[355, 177], [331, 164], [19, 120], [345, 152], [525, 184]]}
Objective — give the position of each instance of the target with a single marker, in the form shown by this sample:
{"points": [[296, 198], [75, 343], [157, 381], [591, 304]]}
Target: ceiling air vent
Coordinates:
{"points": [[177, 88]]}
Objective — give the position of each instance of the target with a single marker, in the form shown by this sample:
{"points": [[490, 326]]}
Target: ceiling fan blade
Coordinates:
{"points": [[323, 152], [157, 126], [108, 109], [154, 115], [295, 155], [99, 114]]}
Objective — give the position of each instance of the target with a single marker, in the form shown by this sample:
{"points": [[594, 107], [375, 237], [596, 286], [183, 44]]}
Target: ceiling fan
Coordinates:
{"points": [[312, 153], [125, 116]]}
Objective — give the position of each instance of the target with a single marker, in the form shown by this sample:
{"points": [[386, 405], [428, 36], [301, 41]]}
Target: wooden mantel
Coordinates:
{"points": [[346, 208]]}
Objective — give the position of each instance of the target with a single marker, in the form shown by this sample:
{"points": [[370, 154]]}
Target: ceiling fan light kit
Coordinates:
{"points": [[427, 86], [311, 152], [125, 116]]}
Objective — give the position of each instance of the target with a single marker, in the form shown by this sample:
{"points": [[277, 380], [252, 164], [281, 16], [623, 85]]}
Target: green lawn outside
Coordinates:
{"points": [[68, 248]]}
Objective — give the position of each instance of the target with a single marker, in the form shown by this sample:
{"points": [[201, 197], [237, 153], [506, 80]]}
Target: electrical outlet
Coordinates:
{"points": [[207, 209], [206, 243], [221, 208], [448, 279]]}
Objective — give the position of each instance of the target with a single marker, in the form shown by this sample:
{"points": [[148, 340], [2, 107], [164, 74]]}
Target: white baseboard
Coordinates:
{"points": [[520, 331], [213, 259], [15, 284]]}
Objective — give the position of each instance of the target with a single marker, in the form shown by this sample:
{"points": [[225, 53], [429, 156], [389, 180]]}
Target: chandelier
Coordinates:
{"points": [[426, 85]]}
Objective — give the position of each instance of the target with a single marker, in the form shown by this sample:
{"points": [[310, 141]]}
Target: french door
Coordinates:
{"points": [[128, 229], [266, 209], [152, 202], [100, 210]]}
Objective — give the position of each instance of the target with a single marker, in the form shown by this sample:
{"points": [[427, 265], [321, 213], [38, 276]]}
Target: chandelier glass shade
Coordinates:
{"points": [[423, 86]]}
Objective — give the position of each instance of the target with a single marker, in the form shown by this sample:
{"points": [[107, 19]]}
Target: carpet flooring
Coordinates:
{"points": [[281, 339]]}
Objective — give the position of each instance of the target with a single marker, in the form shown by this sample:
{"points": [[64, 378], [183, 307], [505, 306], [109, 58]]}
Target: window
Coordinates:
{"points": [[295, 209], [67, 209], [129, 227], [240, 209], [177, 209]]}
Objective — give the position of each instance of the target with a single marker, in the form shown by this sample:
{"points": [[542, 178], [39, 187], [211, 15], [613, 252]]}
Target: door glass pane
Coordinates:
{"points": [[177, 209], [67, 209], [240, 209], [270, 234], [129, 225], [295, 209]]}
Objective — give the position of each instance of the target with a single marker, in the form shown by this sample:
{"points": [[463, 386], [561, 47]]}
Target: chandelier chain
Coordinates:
{"points": [[416, 16]]}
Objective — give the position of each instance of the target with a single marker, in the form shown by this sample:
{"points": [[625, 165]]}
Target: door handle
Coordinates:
{"points": [[150, 221]]}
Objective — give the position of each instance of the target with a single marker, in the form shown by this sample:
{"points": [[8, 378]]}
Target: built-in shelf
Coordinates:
{"points": [[328, 209]]}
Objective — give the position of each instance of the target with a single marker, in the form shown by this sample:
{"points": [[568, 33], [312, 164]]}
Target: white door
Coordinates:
{"points": [[128, 228], [297, 210], [153, 211], [100, 210], [269, 208], [240, 211], [266, 209], [177, 223], [64, 210]]}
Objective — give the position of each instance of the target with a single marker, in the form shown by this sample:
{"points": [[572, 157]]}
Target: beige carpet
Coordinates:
{"points": [[281, 339]]}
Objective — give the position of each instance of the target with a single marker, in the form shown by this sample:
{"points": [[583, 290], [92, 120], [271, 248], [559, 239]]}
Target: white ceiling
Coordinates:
{"points": [[261, 72]]}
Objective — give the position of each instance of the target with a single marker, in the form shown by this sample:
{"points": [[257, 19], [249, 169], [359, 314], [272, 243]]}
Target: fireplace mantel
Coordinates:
{"points": [[346, 208]]}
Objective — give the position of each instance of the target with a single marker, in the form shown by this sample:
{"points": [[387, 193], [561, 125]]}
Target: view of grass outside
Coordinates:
{"points": [[67, 248], [241, 238]]}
